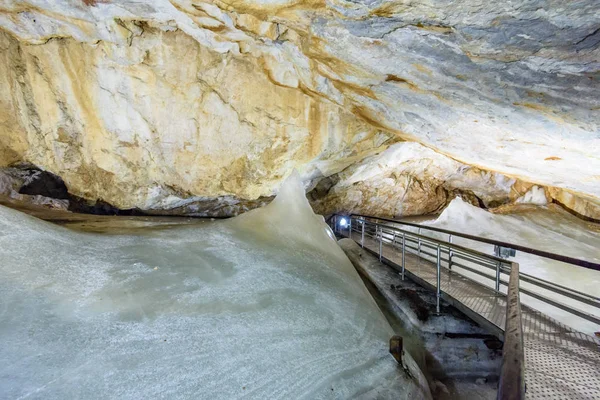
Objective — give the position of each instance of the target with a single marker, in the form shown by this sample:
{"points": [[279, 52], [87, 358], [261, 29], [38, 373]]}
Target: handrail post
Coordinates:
{"points": [[380, 243], [438, 292], [450, 253], [498, 276], [512, 374], [350, 227], [362, 235], [419, 244], [403, 252]]}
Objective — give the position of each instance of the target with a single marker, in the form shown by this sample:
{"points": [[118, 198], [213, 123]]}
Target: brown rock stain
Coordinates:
{"points": [[347, 86], [423, 69], [368, 116], [217, 29], [546, 111], [397, 79], [388, 9], [316, 49], [266, 11], [413, 87], [92, 3], [434, 28], [314, 129]]}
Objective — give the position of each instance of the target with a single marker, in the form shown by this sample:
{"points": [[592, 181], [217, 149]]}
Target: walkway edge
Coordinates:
{"points": [[512, 375]]}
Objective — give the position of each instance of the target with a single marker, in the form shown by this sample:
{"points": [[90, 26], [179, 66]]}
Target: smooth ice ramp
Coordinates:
{"points": [[265, 305]]}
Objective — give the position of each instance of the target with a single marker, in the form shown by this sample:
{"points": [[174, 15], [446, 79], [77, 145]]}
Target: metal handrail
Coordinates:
{"points": [[459, 251], [392, 232], [524, 249], [442, 242], [453, 252], [512, 374]]}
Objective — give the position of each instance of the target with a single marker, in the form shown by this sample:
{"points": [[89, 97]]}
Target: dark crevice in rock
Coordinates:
{"points": [[468, 196], [98, 207], [480, 202], [46, 184], [589, 41], [323, 187], [37, 182], [575, 213]]}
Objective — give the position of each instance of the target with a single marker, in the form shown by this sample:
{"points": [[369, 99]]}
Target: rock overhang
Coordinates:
{"points": [[507, 88]]}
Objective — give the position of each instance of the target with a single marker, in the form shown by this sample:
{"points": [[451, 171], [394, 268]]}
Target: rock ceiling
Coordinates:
{"points": [[171, 104]]}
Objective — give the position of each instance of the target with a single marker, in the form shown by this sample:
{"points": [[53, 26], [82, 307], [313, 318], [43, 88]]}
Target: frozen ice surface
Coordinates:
{"points": [[540, 228], [262, 306], [536, 195]]}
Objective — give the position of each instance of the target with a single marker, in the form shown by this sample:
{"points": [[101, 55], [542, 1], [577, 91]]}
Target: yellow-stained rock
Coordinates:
{"points": [[167, 118], [164, 104]]}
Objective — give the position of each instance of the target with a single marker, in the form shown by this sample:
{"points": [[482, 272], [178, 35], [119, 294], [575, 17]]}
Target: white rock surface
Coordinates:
{"points": [[536, 196], [411, 179], [140, 102]]}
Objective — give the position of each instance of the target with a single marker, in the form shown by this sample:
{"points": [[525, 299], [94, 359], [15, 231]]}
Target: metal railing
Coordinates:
{"points": [[512, 374], [524, 249], [486, 269], [500, 274], [443, 254]]}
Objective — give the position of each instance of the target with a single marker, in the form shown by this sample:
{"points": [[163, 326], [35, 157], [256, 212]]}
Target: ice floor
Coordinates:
{"points": [[545, 228], [262, 306]]}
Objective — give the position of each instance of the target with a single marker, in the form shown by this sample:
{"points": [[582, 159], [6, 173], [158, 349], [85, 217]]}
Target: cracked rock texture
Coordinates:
{"points": [[410, 179], [196, 105]]}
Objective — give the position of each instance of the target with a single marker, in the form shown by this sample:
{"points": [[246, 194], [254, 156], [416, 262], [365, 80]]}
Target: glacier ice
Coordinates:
{"points": [[536, 195], [265, 305]]}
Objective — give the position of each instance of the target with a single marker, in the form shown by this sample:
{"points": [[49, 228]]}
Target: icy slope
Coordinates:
{"points": [[540, 228], [263, 306]]}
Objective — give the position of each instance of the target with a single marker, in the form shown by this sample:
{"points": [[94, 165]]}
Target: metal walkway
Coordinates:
{"points": [[559, 362]]}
